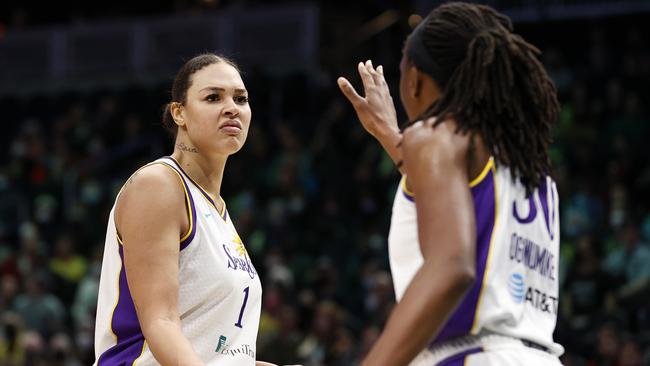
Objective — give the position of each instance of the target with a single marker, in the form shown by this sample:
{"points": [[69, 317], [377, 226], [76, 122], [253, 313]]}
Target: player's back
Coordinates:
{"points": [[517, 253]]}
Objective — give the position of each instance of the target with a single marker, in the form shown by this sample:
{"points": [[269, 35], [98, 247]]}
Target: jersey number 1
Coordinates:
{"points": [[243, 306]]}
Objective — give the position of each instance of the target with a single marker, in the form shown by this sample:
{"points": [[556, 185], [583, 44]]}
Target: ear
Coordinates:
{"points": [[178, 113], [428, 88], [414, 81]]}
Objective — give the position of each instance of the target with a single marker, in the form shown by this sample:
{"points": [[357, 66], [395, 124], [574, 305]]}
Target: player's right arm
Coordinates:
{"points": [[150, 216]]}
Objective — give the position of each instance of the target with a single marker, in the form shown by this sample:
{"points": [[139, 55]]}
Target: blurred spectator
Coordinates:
{"points": [[588, 289], [608, 347], [629, 257], [68, 268], [12, 342], [31, 257], [84, 308], [9, 287], [42, 311], [630, 354]]}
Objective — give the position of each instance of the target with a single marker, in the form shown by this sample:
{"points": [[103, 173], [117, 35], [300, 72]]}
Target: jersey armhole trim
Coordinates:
{"points": [[486, 169], [407, 193], [189, 203]]}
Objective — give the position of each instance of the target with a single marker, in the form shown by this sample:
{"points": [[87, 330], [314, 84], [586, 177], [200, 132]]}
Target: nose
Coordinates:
{"points": [[230, 108]]}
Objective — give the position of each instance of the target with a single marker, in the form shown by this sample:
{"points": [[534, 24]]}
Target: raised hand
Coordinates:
{"points": [[376, 110]]}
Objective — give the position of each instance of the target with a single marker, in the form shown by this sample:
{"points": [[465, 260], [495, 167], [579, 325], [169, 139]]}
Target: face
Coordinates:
{"points": [[216, 115], [417, 90], [406, 82]]}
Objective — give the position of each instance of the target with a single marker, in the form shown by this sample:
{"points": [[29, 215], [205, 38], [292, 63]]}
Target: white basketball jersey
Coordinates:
{"points": [[517, 259], [219, 299]]}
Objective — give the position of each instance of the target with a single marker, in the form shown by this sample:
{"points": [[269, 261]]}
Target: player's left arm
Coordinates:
{"points": [[376, 110], [263, 363], [435, 161]]}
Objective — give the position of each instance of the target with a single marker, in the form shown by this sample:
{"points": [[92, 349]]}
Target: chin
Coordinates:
{"points": [[230, 147]]}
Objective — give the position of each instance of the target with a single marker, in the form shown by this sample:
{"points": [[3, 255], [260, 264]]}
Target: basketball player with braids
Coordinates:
{"points": [[177, 285], [474, 236]]}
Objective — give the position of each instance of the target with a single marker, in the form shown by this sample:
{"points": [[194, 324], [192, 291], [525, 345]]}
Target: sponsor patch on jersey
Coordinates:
{"points": [[517, 287], [221, 344], [521, 293], [242, 349]]}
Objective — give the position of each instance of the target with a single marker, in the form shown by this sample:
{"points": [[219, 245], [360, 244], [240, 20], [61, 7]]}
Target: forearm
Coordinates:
{"points": [[389, 139], [433, 294], [168, 344], [263, 363]]}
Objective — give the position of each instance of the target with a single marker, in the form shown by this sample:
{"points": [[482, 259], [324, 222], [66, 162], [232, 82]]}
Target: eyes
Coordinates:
{"points": [[215, 97]]}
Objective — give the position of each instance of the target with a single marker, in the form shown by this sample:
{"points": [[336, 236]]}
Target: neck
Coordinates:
{"points": [[420, 108], [205, 170], [429, 94]]}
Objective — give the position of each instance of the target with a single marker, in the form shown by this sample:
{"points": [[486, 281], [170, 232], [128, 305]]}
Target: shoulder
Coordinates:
{"points": [[442, 139], [156, 176], [155, 186]]}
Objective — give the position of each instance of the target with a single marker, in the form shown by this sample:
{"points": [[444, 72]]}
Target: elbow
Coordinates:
{"points": [[154, 325], [462, 277], [466, 278]]}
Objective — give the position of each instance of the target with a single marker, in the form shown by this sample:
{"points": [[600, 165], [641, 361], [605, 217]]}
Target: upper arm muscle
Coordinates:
{"points": [[436, 166], [150, 215]]}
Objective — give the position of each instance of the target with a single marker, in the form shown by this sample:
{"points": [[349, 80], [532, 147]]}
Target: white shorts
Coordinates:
{"points": [[485, 350]]}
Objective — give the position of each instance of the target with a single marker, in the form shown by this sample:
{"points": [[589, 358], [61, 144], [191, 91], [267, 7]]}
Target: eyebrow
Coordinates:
{"points": [[214, 88]]}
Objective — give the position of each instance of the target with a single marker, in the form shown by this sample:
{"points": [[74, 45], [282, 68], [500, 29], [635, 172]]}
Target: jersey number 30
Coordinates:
{"points": [[547, 199]]}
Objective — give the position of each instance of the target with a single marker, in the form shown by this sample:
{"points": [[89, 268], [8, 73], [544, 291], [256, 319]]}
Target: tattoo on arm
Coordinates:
{"points": [[132, 178], [184, 147]]}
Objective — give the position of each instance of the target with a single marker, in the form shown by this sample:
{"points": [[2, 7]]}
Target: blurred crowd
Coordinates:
{"points": [[311, 196]]}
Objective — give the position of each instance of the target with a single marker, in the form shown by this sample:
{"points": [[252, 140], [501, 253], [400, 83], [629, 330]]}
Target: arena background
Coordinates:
{"points": [[81, 91]]}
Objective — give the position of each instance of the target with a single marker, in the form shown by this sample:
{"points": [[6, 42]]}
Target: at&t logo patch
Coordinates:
{"points": [[517, 287]]}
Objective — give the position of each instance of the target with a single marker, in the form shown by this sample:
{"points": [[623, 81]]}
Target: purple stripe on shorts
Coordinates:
{"points": [[459, 359], [126, 327], [460, 322]]}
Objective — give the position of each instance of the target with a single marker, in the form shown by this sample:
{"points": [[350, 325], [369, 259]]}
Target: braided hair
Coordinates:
{"points": [[492, 84]]}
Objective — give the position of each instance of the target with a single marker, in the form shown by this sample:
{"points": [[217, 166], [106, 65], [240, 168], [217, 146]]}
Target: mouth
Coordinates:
{"points": [[231, 127]]}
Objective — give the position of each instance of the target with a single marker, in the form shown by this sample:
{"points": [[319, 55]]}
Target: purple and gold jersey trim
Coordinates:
{"points": [[405, 191], [486, 169], [130, 342], [484, 194], [191, 210], [411, 196], [223, 212]]}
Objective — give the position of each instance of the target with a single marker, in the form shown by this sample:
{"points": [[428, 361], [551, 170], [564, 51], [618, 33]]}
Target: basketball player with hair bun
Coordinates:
{"points": [[177, 285], [474, 236]]}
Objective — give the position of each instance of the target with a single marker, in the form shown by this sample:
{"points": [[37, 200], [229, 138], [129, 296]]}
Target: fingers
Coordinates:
{"points": [[371, 76], [378, 75], [366, 76], [349, 92]]}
